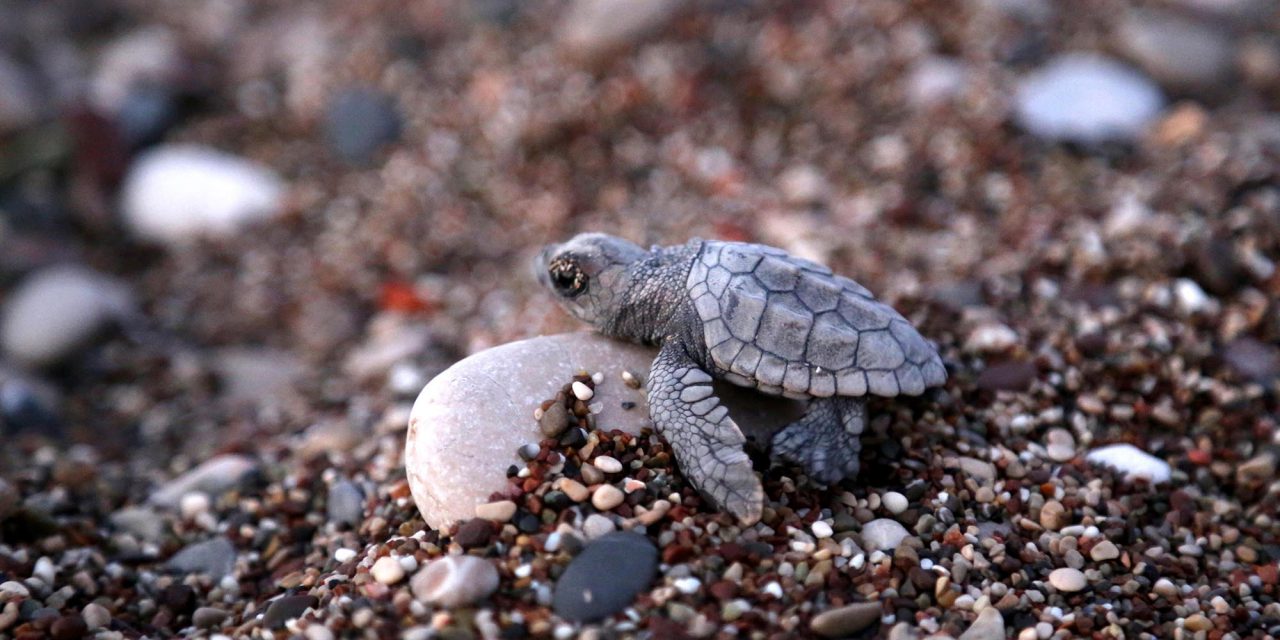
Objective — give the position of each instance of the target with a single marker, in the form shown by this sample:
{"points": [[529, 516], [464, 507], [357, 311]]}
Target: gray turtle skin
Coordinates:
{"points": [[755, 316]]}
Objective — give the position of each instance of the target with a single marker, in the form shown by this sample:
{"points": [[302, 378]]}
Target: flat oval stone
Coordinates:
{"points": [[470, 420], [216, 557], [883, 534], [846, 620], [605, 577]]}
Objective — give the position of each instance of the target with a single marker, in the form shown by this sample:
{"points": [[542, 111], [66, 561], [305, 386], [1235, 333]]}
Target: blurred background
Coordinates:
{"points": [[237, 238], [226, 222]]}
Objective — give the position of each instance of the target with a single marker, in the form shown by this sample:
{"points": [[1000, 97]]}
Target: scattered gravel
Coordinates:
{"points": [[1103, 270]]}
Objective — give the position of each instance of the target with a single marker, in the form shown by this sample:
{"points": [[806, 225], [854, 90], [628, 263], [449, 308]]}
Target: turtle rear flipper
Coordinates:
{"points": [[826, 440], [706, 441]]}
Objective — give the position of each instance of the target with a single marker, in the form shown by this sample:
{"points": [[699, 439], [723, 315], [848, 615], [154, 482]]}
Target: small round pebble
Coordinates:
{"points": [[455, 581], [597, 526], [582, 391], [1067, 580], [387, 570], [821, 530], [607, 497], [95, 616], [344, 554], [1061, 445], [894, 502], [607, 464], [1103, 551]]}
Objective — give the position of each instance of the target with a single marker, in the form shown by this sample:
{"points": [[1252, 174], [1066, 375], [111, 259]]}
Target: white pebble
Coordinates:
{"points": [[344, 554], [387, 570], [822, 530], [582, 391], [1067, 579], [597, 377], [607, 464], [193, 504], [883, 534], [1132, 462], [45, 570], [177, 193], [687, 586], [607, 497], [774, 589], [596, 526], [409, 564], [895, 502]]}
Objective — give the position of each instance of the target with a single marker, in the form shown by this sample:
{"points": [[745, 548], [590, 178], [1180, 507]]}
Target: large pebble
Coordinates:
{"points": [[175, 194], [213, 476], [1067, 580], [455, 581], [846, 620], [605, 577], [1088, 99], [1132, 462], [988, 626], [470, 420], [216, 557], [55, 311], [883, 534]]}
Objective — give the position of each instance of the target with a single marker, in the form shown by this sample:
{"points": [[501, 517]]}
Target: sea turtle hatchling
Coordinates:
{"points": [[755, 316]]}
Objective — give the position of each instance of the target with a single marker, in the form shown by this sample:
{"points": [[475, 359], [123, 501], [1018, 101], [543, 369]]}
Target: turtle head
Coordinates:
{"points": [[589, 275]]}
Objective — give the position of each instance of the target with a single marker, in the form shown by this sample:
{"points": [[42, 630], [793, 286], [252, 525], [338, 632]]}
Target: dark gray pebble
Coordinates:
{"points": [[215, 557], [287, 608], [346, 503], [359, 122], [605, 577]]}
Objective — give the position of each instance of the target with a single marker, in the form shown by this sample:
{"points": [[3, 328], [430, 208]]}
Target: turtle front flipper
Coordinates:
{"points": [[706, 441]]}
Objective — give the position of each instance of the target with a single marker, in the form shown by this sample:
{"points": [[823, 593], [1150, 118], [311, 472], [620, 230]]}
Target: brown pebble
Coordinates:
{"points": [[554, 420], [846, 620], [475, 532], [574, 489], [69, 627]]}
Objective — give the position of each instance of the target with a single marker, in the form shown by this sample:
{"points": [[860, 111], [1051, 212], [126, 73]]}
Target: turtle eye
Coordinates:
{"points": [[567, 279]]}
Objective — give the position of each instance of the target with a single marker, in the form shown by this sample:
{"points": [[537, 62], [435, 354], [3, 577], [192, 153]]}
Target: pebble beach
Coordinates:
{"points": [[268, 353]]}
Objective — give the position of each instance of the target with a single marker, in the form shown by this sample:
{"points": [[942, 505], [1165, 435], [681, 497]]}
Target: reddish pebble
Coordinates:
{"points": [[724, 590]]}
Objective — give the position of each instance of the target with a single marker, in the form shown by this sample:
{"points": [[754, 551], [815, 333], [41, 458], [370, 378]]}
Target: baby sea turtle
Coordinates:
{"points": [[755, 316]]}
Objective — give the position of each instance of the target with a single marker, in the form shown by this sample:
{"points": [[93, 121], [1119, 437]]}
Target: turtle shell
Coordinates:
{"points": [[789, 326]]}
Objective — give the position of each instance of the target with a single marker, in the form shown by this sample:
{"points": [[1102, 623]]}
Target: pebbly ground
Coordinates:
{"points": [[203, 432]]}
